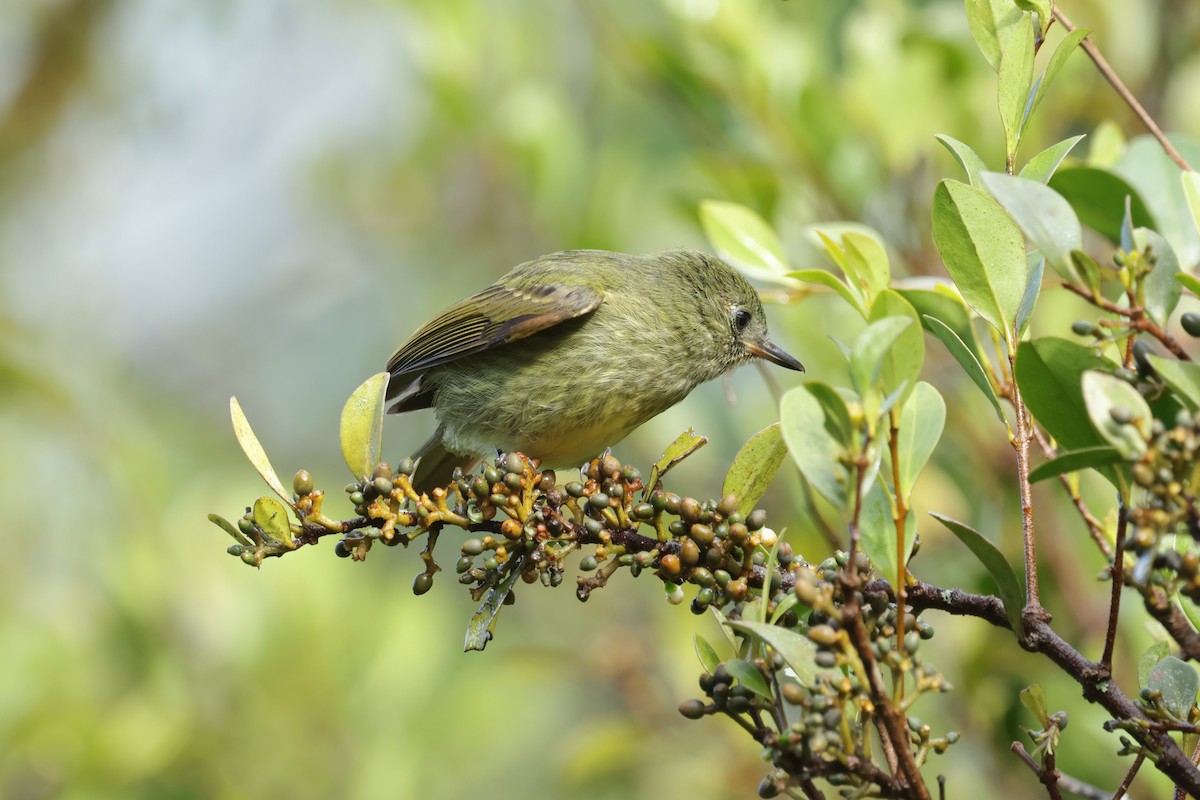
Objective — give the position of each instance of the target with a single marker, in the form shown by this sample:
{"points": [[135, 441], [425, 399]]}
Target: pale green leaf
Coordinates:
{"points": [[815, 451], [1182, 376], [362, 425], [1154, 654], [1178, 682], [229, 528], [1042, 166], [983, 251], [992, 23], [831, 281], [1161, 291], [1015, 82], [1191, 193], [707, 655], [921, 422], [1106, 394], [867, 262], [1057, 60], [967, 158], [1043, 215], [254, 451], [744, 239], [755, 466], [1076, 460], [870, 347], [272, 517]]}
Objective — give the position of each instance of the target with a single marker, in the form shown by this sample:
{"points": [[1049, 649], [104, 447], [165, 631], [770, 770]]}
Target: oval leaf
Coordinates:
{"points": [[983, 251], [755, 466], [707, 655], [1043, 215], [744, 239], [815, 451], [830, 281], [272, 517], [1106, 395], [1178, 682], [229, 528], [1161, 291], [362, 426], [1061, 54], [921, 422], [1098, 197], [1015, 82], [254, 451], [870, 348], [878, 524], [1182, 376]]}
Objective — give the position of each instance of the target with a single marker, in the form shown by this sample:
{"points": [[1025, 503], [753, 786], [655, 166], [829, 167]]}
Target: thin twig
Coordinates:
{"points": [[901, 519], [1045, 772], [1118, 581], [1128, 779], [1115, 81], [1137, 320]]}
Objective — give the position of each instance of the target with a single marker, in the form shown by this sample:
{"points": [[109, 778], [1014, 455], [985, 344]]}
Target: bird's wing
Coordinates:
{"points": [[497, 315]]}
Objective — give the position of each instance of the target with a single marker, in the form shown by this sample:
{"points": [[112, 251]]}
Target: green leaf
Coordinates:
{"points": [[1044, 216], [1104, 395], [272, 517], [707, 655], [684, 445], [1015, 82], [902, 363], [967, 158], [871, 347], [1190, 282], [362, 425], [1178, 682], [967, 360], [1183, 377], [816, 453], [254, 451], [755, 466], [1050, 373], [1098, 197], [1011, 593], [744, 239], [944, 304], [837, 414], [1033, 286], [1076, 460], [797, 650], [983, 251], [1160, 289], [1057, 60], [1191, 193], [921, 422], [229, 528], [1042, 166], [749, 675], [867, 262], [1154, 654], [831, 281], [878, 526], [991, 23], [1034, 699], [483, 621]]}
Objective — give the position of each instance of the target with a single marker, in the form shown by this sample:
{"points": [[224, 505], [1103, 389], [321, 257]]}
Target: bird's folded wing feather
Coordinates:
{"points": [[496, 315]]}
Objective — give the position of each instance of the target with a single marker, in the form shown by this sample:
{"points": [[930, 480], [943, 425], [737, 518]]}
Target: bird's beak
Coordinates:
{"points": [[775, 354]]}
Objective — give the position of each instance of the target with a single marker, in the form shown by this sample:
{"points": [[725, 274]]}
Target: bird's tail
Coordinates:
{"points": [[436, 465]]}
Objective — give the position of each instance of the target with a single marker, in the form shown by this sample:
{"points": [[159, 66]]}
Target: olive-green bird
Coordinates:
{"points": [[568, 353]]}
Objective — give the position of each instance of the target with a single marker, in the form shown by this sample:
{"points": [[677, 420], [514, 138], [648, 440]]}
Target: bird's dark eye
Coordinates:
{"points": [[741, 318]]}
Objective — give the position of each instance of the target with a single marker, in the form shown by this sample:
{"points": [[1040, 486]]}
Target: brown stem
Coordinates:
{"points": [[1171, 617], [900, 520], [1137, 320], [1118, 581], [1094, 526], [1115, 81], [1021, 437]]}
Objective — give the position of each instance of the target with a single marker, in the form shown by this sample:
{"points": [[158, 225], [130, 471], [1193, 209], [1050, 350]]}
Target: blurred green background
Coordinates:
{"points": [[264, 199]]}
